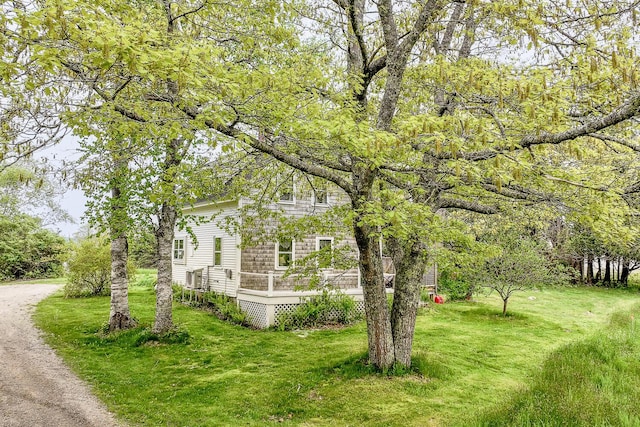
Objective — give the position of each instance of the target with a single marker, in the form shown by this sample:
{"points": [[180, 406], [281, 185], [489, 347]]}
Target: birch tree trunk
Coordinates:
{"points": [[119, 315], [164, 292], [167, 218]]}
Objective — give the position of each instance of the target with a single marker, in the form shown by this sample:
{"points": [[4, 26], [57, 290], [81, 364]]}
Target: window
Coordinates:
{"points": [[284, 255], [324, 247], [321, 196], [217, 251], [178, 250], [285, 189]]}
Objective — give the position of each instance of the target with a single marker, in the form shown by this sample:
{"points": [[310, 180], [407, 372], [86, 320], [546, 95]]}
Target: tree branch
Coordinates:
{"points": [[467, 205]]}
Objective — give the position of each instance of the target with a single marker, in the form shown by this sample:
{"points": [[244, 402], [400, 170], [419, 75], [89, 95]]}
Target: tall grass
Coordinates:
{"points": [[595, 382]]}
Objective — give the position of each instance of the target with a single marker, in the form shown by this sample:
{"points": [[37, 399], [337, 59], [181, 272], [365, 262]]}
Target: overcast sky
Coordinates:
{"points": [[72, 201]]}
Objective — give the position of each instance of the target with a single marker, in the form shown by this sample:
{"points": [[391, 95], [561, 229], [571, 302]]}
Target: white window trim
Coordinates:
{"points": [[315, 200], [318, 238], [221, 251], [182, 260], [277, 256], [293, 192]]}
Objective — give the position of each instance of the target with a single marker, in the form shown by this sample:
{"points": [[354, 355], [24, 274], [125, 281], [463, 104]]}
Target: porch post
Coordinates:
{"points": [[270, 284]]}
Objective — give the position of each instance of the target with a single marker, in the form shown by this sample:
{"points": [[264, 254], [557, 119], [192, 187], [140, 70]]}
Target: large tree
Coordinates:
{"points": [[409, 107]]}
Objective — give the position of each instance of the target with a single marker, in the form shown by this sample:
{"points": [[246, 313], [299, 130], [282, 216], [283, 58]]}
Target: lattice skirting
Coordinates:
{"points": [[256, 312], [280, 309], [263, 315]]}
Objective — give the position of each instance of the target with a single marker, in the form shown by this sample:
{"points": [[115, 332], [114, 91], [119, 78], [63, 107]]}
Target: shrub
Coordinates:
{"points": [[28, 251], [146, 280], [225, 308], [456, 289], [220, 305], [331, 307], [89, 269]]}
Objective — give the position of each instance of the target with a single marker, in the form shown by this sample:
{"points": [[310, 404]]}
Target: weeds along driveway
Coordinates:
{"points": [[36, 388]]}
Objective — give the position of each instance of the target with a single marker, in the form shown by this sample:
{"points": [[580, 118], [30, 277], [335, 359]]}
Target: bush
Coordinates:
{"points": [[225, 308], [220, 305], [331, 307], [456, 289], [146, 280], [28, 251], [89, 269]]}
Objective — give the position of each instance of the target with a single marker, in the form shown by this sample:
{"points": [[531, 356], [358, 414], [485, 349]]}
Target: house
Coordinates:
{"points": [[255, 275]]}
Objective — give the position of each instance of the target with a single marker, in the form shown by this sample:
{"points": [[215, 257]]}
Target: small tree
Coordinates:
{"points": [[520, 265]]}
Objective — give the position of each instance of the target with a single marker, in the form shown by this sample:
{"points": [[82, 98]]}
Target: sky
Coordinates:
{"points": [[72, 201]]}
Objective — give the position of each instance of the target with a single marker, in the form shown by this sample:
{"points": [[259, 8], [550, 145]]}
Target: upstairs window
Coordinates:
{"points": [[324, 246], [217, 251], [286, 189], [321, 196], [285, 254], [178, 250]]}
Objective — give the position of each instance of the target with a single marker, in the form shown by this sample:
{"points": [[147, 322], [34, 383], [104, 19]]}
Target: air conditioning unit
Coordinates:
{"points": [[197, 278]]}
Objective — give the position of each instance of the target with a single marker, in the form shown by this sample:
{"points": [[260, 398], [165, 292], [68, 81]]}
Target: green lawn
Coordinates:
{"points": [[473, 364]]}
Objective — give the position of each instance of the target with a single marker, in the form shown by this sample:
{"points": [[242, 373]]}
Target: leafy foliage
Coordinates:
{"points": [[27, 250], [411, 114], [143, 250], [219, 304], [520, 265], [330, 307], [28, 190], [89, 269], [456, 289]]}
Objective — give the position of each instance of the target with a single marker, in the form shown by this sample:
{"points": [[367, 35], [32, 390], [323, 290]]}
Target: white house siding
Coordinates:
{"points": [[201, 256]]}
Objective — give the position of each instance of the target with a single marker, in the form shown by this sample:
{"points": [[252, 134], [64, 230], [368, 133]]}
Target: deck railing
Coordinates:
{"points": [[271, 276]]}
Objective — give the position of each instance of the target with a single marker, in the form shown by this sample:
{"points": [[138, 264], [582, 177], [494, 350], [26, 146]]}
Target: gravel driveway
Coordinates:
{"points": [[36, 388]]}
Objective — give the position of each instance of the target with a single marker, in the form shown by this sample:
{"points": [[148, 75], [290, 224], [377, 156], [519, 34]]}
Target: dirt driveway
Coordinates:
{"points": [[36, 388]]}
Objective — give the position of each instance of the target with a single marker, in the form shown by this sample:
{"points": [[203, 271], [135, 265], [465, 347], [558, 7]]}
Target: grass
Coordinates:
{"points": [[49, 281], [475, 367], [602, 370]]}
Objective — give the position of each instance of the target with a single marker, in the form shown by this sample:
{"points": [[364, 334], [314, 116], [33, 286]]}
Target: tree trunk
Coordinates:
{"points": [[624, 277], [599, 273], [618, 268], [164, 292], [590, 269], [119, 315], [164, 235], [580, 267], [607, 273], [504, 306], [379, 334], [410, 267]]}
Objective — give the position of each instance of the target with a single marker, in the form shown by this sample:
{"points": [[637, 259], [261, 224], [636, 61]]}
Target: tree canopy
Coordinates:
{"points": [[411, 108]]}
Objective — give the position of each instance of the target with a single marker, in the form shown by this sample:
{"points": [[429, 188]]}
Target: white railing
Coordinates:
{"points": [[272, 275]]}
